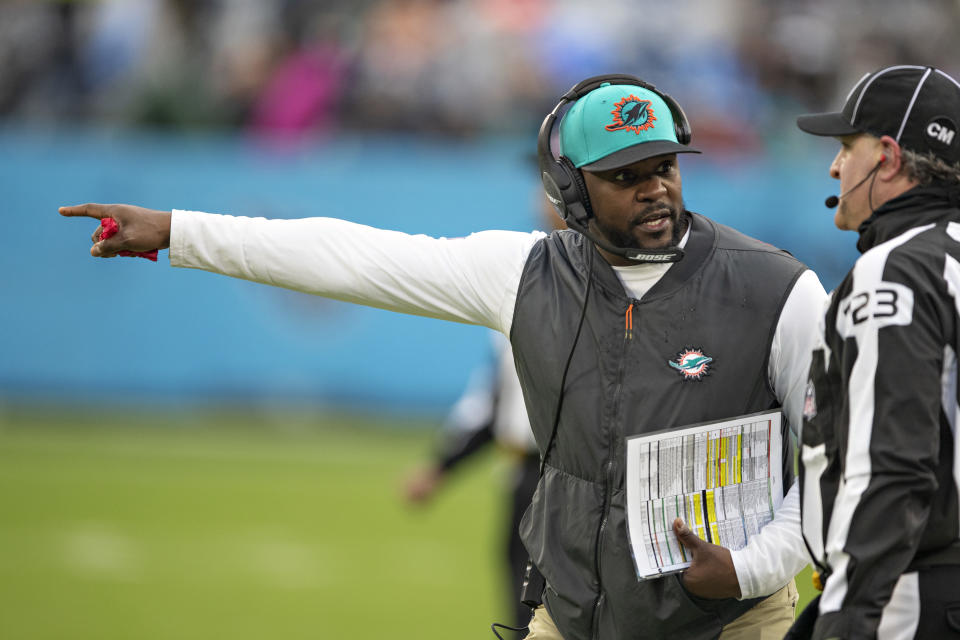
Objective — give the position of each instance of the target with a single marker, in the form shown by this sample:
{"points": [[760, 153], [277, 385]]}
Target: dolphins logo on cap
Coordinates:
{"points": [[633, 114]]}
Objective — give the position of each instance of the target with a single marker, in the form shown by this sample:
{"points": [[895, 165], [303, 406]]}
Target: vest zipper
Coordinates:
{"points": [[596, 615], [608, 480]]}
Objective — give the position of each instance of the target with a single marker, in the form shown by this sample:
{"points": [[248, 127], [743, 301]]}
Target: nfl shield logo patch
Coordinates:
{"points": [[809, 401]]}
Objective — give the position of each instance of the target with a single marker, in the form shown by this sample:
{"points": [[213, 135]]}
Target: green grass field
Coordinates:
{"points": [[240, 526]]}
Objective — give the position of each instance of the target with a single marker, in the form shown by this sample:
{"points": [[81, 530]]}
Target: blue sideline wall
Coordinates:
{"points": [[75, 329]]}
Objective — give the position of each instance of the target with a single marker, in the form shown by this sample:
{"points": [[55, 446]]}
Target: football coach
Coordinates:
{"points": [[600, 317]]}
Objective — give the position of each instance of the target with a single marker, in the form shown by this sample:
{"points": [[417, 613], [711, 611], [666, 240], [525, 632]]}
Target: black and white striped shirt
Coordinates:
{"points": [[880, 458]]}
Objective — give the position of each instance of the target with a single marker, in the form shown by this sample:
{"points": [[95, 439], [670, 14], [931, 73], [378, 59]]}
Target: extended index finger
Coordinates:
{"points": [[89, 210]]}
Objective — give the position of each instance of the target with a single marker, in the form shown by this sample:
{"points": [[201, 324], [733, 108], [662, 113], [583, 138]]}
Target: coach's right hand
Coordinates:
{"points": [[139, 229], [711, 573]]}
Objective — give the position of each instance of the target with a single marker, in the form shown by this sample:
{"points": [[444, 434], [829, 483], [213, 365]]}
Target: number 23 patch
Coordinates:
{"points": [[889, 303]]}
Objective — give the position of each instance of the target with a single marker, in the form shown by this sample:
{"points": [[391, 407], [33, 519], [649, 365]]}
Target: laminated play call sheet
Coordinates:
{"points": [[724, 479]]}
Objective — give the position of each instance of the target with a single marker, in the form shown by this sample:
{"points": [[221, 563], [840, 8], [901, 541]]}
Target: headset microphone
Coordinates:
{"points": [[833, 201], [670, 254]]}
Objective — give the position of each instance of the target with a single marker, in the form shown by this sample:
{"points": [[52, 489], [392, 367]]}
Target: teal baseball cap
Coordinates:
{"points": [[618, 124]]}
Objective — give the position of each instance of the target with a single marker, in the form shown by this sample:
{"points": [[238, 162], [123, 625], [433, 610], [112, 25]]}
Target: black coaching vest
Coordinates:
{"points": [[723, 299]]}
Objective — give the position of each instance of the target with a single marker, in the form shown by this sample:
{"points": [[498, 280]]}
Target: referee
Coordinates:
{"points": [[880, 457]]}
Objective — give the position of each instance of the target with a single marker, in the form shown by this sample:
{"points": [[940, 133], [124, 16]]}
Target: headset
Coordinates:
{"points": [[563, 182]]}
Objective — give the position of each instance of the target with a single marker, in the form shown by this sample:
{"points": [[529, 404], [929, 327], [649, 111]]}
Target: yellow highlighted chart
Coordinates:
{"points": [[724, 479]]}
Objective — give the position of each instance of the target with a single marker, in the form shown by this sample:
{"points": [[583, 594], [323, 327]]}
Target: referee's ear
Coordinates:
{"points": [[890, 159]]}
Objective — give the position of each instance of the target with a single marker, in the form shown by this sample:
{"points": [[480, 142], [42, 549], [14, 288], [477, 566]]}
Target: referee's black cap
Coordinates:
{"points": [[917, 106]]}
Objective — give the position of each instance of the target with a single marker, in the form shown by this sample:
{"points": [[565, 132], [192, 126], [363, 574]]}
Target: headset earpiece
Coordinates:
{"points": [[578, 206], [681, 125], [883, 158]]}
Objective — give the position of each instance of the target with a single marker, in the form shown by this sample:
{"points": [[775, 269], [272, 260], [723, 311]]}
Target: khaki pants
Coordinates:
{"points": [[768, 620]]}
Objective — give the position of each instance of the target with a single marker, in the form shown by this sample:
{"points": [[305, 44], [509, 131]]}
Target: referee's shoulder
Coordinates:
{"points": [[935, 239], [925, 256]]}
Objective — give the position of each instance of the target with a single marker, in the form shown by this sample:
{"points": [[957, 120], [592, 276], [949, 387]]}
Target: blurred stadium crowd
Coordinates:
{"points": [[741, 68]]}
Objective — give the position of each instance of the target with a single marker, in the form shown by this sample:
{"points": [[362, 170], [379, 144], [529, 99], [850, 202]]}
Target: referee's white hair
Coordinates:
{"points": [[926, 168]]}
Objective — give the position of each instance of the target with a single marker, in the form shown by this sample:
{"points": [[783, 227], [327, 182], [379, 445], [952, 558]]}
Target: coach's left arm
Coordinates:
{"points": [[773, 557]]}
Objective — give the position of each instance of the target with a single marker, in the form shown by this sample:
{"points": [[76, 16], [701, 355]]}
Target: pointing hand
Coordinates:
{"points": [[139, 229]]}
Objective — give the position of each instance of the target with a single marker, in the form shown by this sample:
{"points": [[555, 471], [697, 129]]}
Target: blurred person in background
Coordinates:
{"points": [[567, 302], [302, 92], [455, 68], [880, 457], [492, 411], [745, 65]]}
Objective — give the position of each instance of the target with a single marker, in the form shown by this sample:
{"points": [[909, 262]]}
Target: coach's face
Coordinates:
{"points": [[638, 206]]}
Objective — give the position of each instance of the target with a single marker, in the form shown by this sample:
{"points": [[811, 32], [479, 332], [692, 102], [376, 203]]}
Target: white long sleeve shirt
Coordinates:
{"points": [[474, 280]]}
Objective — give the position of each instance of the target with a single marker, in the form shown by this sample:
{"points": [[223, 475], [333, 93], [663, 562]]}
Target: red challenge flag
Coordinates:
{"points": [[110, 227]]}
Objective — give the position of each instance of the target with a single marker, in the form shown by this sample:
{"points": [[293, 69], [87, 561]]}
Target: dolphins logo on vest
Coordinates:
{"points": [[692, 363], [633, 114]]}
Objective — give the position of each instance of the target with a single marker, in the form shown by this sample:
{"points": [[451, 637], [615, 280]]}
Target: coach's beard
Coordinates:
{"points": [[628, 241]]}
